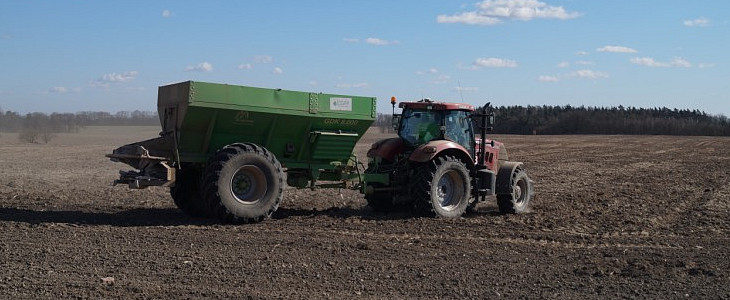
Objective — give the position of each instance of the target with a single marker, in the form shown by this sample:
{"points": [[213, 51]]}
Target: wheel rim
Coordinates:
{"points": [[248, 184], [519, 192], [449, 191]]}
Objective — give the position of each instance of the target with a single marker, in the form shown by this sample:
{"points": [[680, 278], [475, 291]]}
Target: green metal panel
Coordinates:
{"points": [[300, 128], [328, 145]]}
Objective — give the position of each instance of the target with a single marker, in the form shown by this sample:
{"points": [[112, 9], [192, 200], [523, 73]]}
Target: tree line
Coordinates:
{"points": [[608, 120], [598, 120], [40, 127]]}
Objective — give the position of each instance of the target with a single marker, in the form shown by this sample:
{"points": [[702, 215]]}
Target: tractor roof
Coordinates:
{"points": [[429, 105]]}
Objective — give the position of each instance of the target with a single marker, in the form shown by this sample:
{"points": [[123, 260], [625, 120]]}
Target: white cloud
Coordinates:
{"points": [[491, 12], [429, 71], [63, 90], [441, 79], [650, 62], [680, 62], [585, 73], [107, 79], [313, 82], [582, 53], [380, 42], [58, 90], [201, 67], [699, 22], [705, 65], [493, 62], [277, 70], [546, 78], [566, 64], [372, 41], [470, 18], [590, 74], [122, 77], [263, 59], [259, 59], [166, 13], [466, 89], [616, 49], [353, 85]]}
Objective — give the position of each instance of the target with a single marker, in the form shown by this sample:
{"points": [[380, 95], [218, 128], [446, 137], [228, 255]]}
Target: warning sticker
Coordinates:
{"points": [[344, 104]]}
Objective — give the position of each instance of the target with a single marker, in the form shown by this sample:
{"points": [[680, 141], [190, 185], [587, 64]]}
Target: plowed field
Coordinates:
{"points": [[614, 217]]}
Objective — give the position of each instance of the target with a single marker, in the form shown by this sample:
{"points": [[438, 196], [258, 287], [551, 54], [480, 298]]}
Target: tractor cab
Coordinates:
{"points": [[425, 121]]}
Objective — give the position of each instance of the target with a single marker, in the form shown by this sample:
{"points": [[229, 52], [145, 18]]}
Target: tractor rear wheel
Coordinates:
{"points": [[186, 193], [442, 187], [520, 194], [244, 183]]}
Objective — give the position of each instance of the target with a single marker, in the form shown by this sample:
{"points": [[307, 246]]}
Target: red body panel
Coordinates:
{"points": [[428, 151], [492, 153], [387, 148], [436, 106]]}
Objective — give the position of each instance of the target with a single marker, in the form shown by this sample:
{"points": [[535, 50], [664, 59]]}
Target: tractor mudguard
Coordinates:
{"points": [[387, 148], [428, 151]]}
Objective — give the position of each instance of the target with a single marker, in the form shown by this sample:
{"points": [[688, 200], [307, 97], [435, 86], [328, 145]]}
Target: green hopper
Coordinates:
{"points": [[223, 149]]}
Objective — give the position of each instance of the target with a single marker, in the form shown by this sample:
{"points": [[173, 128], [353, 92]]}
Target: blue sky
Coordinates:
{"points": [[69, 56]]}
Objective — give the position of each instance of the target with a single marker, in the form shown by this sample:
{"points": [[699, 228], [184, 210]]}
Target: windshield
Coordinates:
{"points": [[459, 129], [420, 127]]}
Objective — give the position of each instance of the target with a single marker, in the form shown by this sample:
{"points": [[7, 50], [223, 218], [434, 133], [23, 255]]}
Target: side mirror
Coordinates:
{"points": [[490, 121], [396, 121]]}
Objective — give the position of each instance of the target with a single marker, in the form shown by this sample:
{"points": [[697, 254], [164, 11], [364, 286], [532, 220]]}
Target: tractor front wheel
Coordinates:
{"points": [[520, 193], [442, 187]]}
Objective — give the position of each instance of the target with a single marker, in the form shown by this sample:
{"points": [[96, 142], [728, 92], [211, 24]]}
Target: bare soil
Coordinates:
{"points": [[614, 217]]}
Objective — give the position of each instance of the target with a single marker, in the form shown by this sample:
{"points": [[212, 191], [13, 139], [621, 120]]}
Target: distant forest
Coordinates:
{"points": [[614, 120], [599, 120], [11, 121], [40, 127]]}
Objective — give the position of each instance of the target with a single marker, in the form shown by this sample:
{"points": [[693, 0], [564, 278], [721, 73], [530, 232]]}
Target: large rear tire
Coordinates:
{"points": [[520, 194], [186, 193], [244, 183], [441, 187]]}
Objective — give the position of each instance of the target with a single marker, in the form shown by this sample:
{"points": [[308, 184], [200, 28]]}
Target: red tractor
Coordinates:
{"points": [[438, 165]]}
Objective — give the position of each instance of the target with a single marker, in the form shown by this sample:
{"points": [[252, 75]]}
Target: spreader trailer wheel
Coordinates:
{"points": [[186, 193], [244, 183]]}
